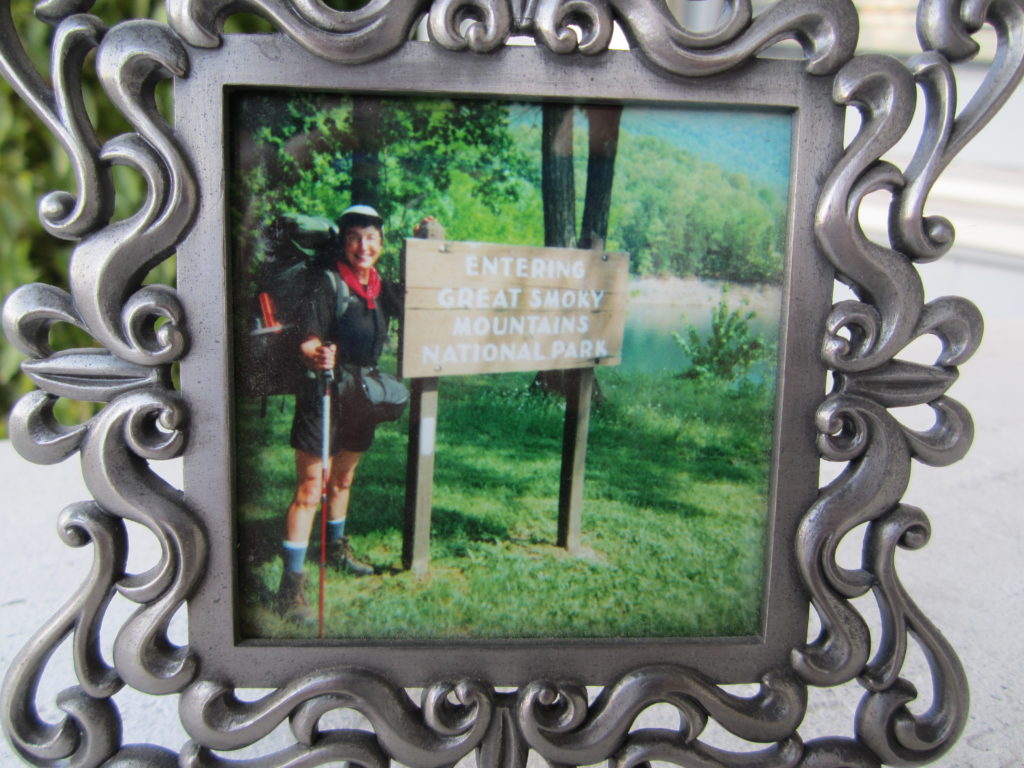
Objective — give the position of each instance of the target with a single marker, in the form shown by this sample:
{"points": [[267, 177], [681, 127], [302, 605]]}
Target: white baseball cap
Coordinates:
{"points": [[360, 211]]}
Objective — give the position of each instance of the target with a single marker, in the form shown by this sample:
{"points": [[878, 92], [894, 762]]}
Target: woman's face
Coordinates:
{"points": [[362, 247]]}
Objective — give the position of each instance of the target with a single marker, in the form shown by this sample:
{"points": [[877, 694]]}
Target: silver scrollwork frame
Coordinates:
{"points": [[143, 329]]}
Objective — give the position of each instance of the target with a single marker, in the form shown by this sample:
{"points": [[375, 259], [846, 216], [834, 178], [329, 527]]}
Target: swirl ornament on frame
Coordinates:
{"points": [[143, 329]]}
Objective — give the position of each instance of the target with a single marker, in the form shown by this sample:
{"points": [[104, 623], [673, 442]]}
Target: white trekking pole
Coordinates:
{"points": [[325, 456]]}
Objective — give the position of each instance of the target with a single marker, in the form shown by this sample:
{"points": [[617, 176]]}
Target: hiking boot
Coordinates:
{"points": [[291, 599], [341, 556]]}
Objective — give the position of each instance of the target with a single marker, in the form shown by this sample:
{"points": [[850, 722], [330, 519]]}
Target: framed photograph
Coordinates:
{"points": [[697, 553], [500, 371]]}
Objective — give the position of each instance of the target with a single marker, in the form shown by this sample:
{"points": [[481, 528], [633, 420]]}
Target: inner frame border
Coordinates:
{"points": [[528, 74]]}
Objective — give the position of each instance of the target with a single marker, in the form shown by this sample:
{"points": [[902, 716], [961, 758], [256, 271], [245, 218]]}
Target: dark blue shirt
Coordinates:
{"points": [[359, 332]]}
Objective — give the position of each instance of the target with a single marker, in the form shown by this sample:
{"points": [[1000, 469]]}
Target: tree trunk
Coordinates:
{"points": [[604, 144], [558, 187], [559, 194], [366, 162]]}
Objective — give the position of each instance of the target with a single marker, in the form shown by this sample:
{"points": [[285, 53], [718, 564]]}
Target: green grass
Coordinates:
{"points": [[673, 521]]}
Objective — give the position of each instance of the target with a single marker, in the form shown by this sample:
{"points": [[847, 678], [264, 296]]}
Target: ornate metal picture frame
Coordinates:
{"points": [[840, 380], [242, 63]]}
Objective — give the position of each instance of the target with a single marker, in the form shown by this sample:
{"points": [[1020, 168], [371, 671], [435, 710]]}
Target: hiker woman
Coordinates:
{"points": [[348, 331]]}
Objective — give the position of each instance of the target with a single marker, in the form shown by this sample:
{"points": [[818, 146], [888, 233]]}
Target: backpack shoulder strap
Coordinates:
{"points": [[342, 292]]}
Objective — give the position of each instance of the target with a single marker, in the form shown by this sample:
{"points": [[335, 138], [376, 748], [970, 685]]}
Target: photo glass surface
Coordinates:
{"points": [[676, 495]]}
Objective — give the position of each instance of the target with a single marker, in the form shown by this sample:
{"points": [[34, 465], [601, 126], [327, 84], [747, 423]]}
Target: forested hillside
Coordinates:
{"points": [[476, 166], [752, 142]]}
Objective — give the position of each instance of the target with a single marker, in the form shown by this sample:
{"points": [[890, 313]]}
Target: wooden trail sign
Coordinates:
{"points": [[488, 308]]}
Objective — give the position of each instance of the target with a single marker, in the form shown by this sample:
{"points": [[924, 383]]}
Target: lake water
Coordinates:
{"points": [[648, 345]]}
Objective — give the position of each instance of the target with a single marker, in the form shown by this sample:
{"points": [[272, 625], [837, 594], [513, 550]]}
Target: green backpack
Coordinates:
{"points": [[267, 359]]}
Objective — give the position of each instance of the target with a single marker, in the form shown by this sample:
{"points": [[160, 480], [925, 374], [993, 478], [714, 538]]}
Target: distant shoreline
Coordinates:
{"points": [[692, 294]]}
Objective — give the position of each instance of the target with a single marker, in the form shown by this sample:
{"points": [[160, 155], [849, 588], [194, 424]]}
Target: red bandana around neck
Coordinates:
{"points": [[370, 291]]}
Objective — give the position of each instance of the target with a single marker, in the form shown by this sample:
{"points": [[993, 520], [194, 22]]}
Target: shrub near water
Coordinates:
{"points": [[730, 347], [673, 518]]}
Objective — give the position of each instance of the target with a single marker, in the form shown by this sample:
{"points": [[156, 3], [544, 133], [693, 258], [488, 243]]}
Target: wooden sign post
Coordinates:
{"points": [[479, 308], [578, 396], [419, 477]]}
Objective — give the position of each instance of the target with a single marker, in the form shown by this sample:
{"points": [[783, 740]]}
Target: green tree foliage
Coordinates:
{"points": [[679, 215], [306, 154], [729, 349]]}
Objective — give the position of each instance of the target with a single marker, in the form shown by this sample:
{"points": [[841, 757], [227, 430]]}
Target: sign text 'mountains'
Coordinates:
{"points": [[490, 308]]}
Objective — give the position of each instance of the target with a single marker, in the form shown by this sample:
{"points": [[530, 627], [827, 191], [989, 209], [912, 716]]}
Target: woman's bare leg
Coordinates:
{"points": [[306, 501], [298, 524], [342, 474]]}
